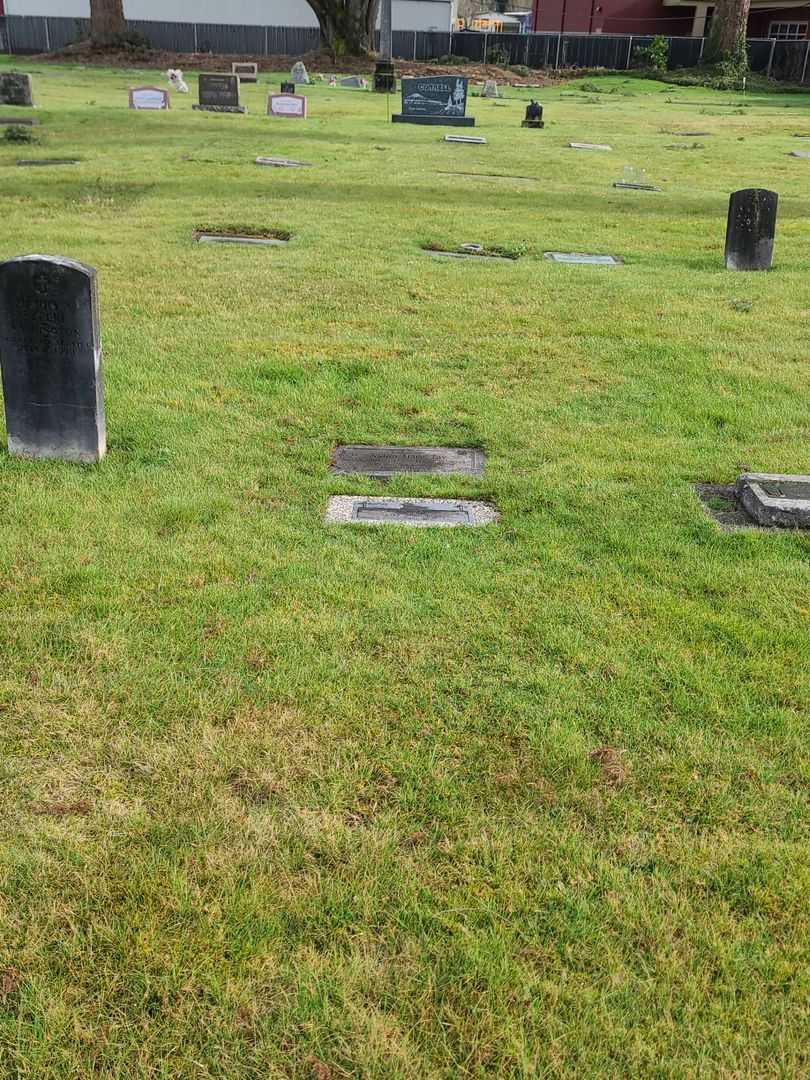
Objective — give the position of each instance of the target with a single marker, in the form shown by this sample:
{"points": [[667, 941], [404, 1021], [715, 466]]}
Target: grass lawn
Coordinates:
{"points": [[288, 800]]}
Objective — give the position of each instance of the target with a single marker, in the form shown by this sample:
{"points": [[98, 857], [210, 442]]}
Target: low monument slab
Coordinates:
{"points": [[478, 140], [149, 97], [282, 163], [776, 499], [416, 513], [582, 258], [16, 89], [50, 350], [247, 72], [24, 162], [393, 460], [291, 105], [589, 146]]}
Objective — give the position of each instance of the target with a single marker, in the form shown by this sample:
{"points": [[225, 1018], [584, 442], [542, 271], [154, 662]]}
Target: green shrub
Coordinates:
{"points": [[656, 54]]}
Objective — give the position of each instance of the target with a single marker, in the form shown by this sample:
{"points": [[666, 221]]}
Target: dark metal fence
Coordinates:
{"points": [[786, 60]]}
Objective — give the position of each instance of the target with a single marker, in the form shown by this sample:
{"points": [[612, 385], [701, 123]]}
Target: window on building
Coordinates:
{"points": [[788, 31]]}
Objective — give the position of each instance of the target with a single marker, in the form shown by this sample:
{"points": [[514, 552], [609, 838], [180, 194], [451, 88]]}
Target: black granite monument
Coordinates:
{"points": [[751, 228], [434, 99], [534, 115], [219, 93], [15, 88], [50, 352], [288, 87], [385, 79]]}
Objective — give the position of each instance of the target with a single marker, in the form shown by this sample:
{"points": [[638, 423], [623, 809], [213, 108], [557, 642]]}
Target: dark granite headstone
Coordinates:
{"points": [[219, 93], [288, 87], [751, 228], [434, 99], [15, 88], [385, 79], [50, 352], [534, 115]]}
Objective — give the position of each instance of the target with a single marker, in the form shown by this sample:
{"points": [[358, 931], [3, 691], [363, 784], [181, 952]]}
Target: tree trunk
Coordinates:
{"points": [[347, 26], [106, 21], [729, 30]]}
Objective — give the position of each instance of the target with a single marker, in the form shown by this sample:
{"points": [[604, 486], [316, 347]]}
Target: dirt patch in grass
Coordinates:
{"points": [[60, 808], [615, 770], [10, 980]]}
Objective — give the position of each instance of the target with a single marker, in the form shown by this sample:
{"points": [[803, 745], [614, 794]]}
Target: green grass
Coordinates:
{"points": [[283, 800]]}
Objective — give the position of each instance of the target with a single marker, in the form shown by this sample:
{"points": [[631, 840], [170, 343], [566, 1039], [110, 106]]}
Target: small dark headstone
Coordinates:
{"points": [[534, 115], [288, 87], [50, 347], [751, 228], [385, 79], [15, 89], [392, 460], [434, 99], [219, 93]]}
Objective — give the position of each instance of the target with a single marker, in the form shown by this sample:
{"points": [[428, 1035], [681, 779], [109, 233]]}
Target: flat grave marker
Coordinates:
{"points": [[289, 105], [775, 499], [248, 73], [148, 97], [582, 258], [16, 89], [416, 513], [50, 345], [800, 153], [589, 146], [434, 99], [18, 121], [206, 237], [282, 163], [477, 140], [25, 162], [219, 93], [393, 460]]}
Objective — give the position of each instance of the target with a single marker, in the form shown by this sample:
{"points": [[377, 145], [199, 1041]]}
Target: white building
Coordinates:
{"points": [[435, 15]]}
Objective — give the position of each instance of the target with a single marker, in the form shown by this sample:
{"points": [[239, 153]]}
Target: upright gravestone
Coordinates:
{"points": [[490, 88], [148, 97], [15, 89], [219, 93], [287, 105], [434, 99], [751, 228], [299, 73], [248, 73], [50, 351]]}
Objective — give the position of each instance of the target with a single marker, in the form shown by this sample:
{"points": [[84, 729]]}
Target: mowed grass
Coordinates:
{"points": [[288, 800]]}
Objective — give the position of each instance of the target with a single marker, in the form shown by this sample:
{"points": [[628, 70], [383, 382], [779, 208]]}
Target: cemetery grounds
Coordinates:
{"points": [[289, 800]]}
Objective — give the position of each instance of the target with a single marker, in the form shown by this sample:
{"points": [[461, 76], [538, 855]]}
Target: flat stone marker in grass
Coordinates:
{"points": [[282, 163], [27, 162], [235, 238], [476, 139], [50, 349], [393, 460], [750, 229], [630, 185], [689, 134], [582, 258], [800, 153], [416, 513], [18, 121], [219, 93], [776, 499], [589, 146], [15, 89]]}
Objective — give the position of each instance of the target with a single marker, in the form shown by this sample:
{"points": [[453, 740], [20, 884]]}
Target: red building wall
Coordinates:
{"points": [[759, 22], [612, 17]]}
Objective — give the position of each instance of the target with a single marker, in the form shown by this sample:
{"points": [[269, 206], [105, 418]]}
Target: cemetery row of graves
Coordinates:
{"points": [[404, 578]]}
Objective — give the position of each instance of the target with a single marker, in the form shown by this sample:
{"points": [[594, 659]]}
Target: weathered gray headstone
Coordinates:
{"points": [[751, 229], [352, 82], [776, 498], [248, 73], [219, 93], [15, 89], [490, 89], [50, 352], [392, 460], [418, 513], [299, 73]]}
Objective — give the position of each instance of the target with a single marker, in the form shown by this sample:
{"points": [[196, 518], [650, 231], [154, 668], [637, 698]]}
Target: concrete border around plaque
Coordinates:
{"points": [[776, 499], [582, 258], [414, 513], [476, 140], [283, 163], [203, 237], [146, 98], [367, 460], [588, 146]]}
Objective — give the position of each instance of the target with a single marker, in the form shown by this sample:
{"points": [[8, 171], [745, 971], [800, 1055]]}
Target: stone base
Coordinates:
{"points": [[440, 121], [775, 499], [220, 108], [532, 123]]}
